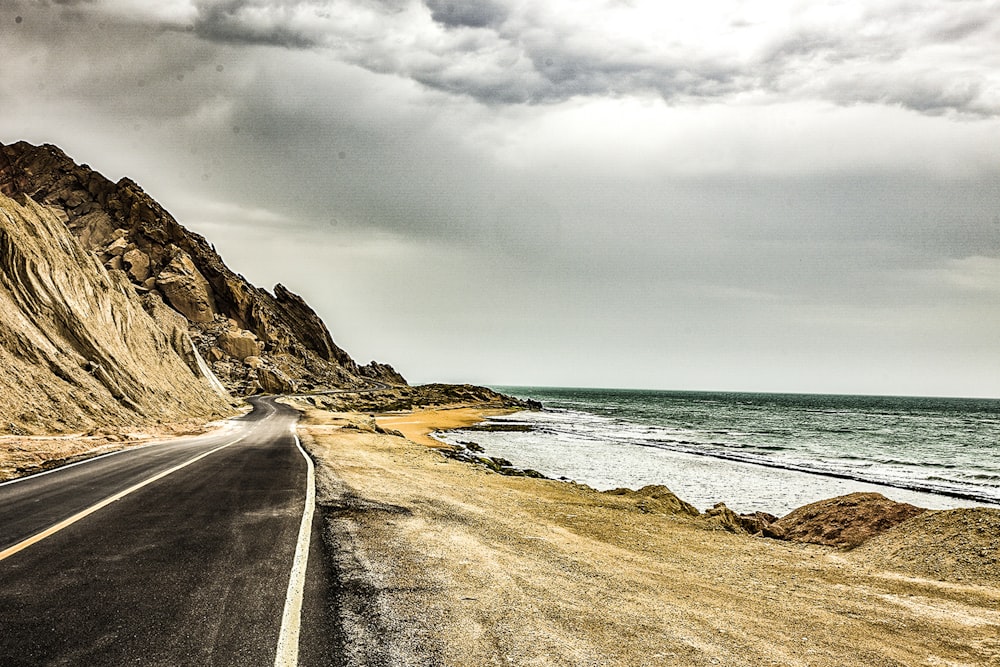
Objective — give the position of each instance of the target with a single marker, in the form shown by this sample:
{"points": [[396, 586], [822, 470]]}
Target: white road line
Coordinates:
{"points": [[51, 530], [99, 457], [73, 465], [287, 654]]}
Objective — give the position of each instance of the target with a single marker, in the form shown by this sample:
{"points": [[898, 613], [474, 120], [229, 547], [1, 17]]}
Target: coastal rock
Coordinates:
{"points": [[721, 517], [381, 372], [845, 521], [757, 522], [657, 498], [428, 395]]}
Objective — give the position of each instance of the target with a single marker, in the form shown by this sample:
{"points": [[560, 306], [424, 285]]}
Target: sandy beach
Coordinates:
{"points": [[446, 563]]}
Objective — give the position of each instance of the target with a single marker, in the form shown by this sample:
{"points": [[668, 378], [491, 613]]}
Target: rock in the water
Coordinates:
{"points": [[844, 521]]}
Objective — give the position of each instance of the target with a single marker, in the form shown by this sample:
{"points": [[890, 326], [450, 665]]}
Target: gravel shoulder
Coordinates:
{"points": [[445, 563]]}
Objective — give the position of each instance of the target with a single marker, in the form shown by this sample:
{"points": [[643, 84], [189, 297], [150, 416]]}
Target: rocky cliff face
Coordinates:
{"points": [[77, 348], [253, 340]]}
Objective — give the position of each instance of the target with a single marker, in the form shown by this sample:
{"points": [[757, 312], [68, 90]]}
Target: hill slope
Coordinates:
{"points": [[77, 348], [253, 340]]}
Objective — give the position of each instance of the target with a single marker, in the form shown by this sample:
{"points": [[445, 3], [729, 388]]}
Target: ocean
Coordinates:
{"points": [[767, 452]]}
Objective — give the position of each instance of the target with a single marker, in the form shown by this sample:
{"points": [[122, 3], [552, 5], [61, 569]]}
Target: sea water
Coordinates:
{"points": [[768, 452]]}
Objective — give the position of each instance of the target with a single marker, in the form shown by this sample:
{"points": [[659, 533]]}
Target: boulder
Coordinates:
{"points": [[239, 344], [275, 381], [254, 362], [117, 247], [137, 263], [186, 289]]}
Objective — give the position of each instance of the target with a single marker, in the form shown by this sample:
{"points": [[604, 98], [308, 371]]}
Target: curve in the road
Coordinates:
{"points": [[175, 554]]}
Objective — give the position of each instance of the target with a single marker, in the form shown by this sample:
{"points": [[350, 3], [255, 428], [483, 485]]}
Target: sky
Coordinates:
{"points": [[772, 195]]}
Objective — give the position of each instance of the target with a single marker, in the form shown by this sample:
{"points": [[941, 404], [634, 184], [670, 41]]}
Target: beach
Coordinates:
{"points": [[446, 563]]}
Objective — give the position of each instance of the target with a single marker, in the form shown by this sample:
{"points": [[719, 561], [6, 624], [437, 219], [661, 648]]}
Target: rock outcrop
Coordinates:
{"points": [[720, 517], [78, 349], [391, 398], [131, 233], [657, 499]]}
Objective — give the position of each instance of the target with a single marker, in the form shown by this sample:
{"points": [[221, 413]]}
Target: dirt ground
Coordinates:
{"points": [[444, 563]]}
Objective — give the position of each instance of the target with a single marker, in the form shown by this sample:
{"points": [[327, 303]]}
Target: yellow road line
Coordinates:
{"points": [[38, 537]]}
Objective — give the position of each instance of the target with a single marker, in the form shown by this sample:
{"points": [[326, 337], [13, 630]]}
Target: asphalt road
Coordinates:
{"points": [[191, 568]]}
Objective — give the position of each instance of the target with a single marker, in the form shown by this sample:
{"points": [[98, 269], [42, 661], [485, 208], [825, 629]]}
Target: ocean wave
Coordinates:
{"points": [[905, 449]]}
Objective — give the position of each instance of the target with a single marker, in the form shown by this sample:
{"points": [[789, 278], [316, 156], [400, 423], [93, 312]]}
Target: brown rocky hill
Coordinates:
{"points": [[77, 348], [844, 522], [253, 340]]}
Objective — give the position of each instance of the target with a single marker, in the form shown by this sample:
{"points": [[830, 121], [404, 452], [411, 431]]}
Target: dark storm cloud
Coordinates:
{"points": [[255, 22], [926, 57], [468, 13]]}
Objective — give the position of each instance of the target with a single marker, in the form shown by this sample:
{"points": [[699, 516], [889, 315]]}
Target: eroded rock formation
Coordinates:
{"points": [[77, 347], [228, 319]]}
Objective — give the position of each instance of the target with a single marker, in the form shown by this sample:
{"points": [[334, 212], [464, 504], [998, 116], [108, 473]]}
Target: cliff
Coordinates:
{"points": [[253, 340], [77, 348]]}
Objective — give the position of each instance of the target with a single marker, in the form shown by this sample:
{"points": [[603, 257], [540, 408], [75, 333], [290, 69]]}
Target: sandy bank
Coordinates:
{"points": [[27, 455], [443, 563]]}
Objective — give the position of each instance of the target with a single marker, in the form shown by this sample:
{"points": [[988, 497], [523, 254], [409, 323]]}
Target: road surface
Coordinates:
{"points": [[178, 553]]}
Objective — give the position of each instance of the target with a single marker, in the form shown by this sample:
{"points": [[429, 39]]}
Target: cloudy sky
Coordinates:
{"points": [[778, 195]]}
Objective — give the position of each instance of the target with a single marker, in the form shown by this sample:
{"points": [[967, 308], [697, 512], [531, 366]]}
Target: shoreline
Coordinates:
{"points": [[692, 473], [447, 563]]}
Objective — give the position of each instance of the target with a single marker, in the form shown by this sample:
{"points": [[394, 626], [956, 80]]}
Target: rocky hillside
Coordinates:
{"points": [[252, 339], [77, 348]]}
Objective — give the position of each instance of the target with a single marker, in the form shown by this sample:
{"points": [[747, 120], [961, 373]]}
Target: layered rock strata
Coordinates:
{"points": [[78, 349], [253, 340]]}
